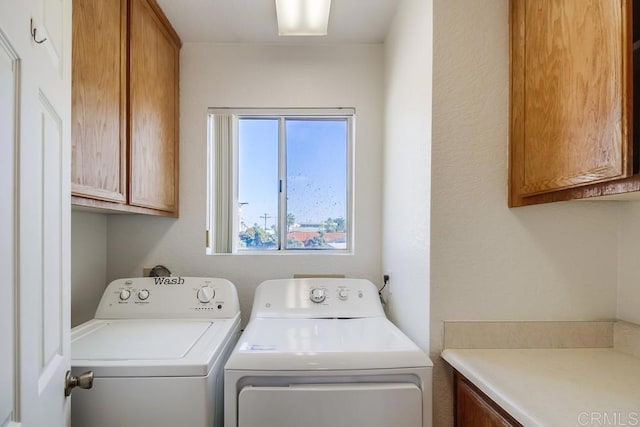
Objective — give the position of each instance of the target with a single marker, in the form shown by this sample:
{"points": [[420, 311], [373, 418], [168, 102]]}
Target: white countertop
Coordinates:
{"points": [[556, 387]]}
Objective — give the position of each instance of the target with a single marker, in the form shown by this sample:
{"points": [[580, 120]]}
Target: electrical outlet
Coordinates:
{"points": [[385, 291], [146, 271]]}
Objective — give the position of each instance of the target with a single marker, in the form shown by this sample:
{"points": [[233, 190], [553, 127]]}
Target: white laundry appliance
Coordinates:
{"points": [[321, 353], [157, 348]]}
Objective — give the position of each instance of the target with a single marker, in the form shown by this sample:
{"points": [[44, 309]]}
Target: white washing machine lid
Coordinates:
{"points": [[143, 340], [324, 344], [150, 347]]}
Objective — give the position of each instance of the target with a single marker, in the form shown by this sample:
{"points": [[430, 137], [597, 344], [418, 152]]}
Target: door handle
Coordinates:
{"points": [[84, 380]]}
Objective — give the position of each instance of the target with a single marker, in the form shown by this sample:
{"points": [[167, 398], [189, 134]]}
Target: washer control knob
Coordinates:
{"points": [[317, 295], [206, 294], [143, 294], [125, 294], [343, 294]]}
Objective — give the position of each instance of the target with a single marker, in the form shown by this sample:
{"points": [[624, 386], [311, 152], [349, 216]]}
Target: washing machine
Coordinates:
{"points": [[321, 353], [157, 348]]}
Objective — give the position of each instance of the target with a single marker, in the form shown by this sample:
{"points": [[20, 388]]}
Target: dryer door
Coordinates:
{"points": [[336, 405]]}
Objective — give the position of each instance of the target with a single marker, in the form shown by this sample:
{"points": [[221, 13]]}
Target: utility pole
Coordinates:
{"points": [[265, 217]]}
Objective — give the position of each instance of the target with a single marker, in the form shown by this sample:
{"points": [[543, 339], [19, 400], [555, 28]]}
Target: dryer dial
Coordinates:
{"points": [[317, 295]]}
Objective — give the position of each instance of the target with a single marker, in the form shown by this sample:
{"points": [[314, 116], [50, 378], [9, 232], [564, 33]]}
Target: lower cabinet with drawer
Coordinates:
{"points": [[473, 408]]}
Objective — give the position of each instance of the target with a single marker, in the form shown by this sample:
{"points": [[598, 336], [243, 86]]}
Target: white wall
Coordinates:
{"points": [[407, 167], [629, 255], [556, 261], [88, 264], [261, 76]]}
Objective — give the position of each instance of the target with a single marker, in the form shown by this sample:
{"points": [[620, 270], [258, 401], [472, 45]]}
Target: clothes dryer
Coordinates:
{"points": [[321, 353]]}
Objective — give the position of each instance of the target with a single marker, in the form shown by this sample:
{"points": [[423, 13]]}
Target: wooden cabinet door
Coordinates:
{"points": [[474, 409], [153, 109], [570, 94], [98, 100]]}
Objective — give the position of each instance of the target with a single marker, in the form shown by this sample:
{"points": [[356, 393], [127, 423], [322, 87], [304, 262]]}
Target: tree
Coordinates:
{"points": [[257, 237], [291, 220], [333, 225], [316, 242], [294, 243]]}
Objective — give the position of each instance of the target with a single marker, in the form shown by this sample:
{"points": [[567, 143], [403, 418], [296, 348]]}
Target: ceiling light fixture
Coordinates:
{"points": [[303, 17]]}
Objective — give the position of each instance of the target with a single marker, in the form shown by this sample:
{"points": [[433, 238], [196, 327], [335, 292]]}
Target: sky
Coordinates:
{"points": [[316, 160]]}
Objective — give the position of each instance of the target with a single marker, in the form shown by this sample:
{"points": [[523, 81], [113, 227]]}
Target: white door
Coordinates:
{"points": [[35, 115], [8, 86]]}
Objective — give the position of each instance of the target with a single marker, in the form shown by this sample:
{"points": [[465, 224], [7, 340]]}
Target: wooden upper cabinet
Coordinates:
{"points": [[571, 97], [125, 107], [153, 105], [99, 100]]}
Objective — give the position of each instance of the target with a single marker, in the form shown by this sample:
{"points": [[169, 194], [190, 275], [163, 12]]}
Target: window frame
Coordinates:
{"points": [[281, 114]]}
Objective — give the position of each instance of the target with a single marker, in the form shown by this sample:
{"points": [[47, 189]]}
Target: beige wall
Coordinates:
{"points": [[407, 167], [219, 75], [88, 264], [550, 262], [629, 255]]}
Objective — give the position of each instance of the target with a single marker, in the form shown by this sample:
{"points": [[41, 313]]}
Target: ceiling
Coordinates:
{"points": [[254, 21]]}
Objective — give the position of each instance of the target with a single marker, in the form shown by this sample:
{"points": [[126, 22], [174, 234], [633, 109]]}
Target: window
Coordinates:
{"points": [[280, 180]]}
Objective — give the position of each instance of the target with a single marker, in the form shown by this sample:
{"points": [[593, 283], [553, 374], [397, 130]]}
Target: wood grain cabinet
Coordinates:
{"points": [[474, 409], [572, 96], [125, 107]]}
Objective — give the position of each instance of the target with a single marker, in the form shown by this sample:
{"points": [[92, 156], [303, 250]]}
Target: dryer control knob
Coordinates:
{"points": [[143, 294], [125, 294], [317, 295], [343, 294], [206, 294]]}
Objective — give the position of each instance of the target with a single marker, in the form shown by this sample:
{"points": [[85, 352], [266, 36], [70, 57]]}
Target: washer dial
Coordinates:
{"points": [[206, 294], [143, 294]]}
